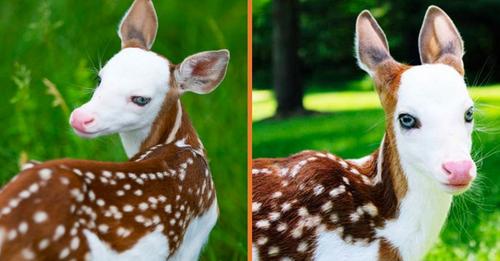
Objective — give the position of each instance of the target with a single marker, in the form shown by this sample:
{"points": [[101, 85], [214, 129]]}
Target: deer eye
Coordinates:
{"points": [[408, 121], [469, 115], [140, 100]]}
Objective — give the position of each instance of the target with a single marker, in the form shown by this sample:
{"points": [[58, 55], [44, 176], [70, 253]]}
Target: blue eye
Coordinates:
{"points": [[407, 121], [140, 100], [469, 115]]}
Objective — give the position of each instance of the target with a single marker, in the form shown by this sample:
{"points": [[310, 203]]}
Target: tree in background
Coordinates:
{"points": [[286, 63], [327, 31]]}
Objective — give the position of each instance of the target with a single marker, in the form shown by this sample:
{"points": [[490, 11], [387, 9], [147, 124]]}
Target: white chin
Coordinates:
{"points": [[455, 190], [88, 135]]}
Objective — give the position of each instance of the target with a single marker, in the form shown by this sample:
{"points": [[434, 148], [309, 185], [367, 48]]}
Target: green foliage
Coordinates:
{"points": [[50, 53], [352, 126], [327, 33]]}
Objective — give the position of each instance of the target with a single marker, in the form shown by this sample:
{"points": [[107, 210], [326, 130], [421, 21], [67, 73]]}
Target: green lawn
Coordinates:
{"points": [[67, 41], [352, 126]]}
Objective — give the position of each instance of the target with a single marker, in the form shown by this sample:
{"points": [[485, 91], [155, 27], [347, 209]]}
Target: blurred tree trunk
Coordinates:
{"points": [[286, 63]]}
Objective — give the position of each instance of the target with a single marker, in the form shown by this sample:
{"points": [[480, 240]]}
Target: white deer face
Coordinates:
{"points": [[430, 109], [131, 92], [135, 82], [433, 125]]}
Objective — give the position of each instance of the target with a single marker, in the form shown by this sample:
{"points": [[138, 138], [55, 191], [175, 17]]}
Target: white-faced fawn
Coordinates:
{"points": [[161, 204], [392, 204]]}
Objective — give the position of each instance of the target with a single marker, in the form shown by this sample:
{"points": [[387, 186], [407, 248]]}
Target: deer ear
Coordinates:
{"points": [[139, 26], [202, 73], [371, 44], [439, 40]]}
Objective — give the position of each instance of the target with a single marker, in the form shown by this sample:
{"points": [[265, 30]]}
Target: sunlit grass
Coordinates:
{"points": [[352, 125]]}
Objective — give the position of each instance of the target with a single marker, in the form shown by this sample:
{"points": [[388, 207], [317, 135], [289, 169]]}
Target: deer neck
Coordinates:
{"points": [[415, 207], [172, 125]]}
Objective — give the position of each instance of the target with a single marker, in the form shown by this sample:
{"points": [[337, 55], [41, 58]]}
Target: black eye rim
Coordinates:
{"points": [[469, 115], [415, 122], [140, 101]]}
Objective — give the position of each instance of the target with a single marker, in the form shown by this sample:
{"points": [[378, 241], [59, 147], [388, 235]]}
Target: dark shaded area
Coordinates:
{"points": [[286, 63], [327, 33]]}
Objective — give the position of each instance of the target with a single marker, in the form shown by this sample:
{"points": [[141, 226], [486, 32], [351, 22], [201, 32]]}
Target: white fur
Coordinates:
{"points": [[197, 235], [423, 212], [155, 244], [331, 246], [255, 253], [436, 94], [177, 124], [131, 72]]}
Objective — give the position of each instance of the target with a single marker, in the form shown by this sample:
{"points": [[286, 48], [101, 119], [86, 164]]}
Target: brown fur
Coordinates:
{"points": [[388, 253], [299, 191]]}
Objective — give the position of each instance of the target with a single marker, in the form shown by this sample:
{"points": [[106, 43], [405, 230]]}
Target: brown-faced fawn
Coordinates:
{"points": [[392, 204], [160, 205]]}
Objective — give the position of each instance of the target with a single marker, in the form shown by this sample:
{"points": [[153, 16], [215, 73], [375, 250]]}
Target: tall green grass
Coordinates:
{"points": [[352, 125], [50, 51]]}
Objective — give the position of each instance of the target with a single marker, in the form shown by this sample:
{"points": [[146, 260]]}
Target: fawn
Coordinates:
{"points": [[159, 205], [392, 204]]}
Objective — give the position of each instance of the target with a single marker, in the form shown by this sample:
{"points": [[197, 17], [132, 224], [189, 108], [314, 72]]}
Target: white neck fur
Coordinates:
{"points": [[422, 214], [132, 140]]}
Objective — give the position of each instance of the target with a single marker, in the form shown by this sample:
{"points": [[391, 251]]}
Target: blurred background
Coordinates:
{"points": [[50, 51], [308, 93]]}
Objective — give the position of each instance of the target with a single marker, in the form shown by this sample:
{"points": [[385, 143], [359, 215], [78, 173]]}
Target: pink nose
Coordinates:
{"points": [[459, 172], [80, 120]]}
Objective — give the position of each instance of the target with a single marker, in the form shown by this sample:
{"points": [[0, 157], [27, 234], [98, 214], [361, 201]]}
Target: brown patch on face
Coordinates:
{"points": [[394, 181], [165, 120], [387, 252], [164, 123], [387, 80]]}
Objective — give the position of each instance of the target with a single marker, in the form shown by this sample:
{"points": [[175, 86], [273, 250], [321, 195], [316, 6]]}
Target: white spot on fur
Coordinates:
{"points": [[273, 251], [302, 247], [264, 224], [327, 206], [43, 244], [256, 206], [23, 227], [45, 174], [318, 189], [40, 217], [273, 216], [59, 232], [337, 191], [262, 241]]}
